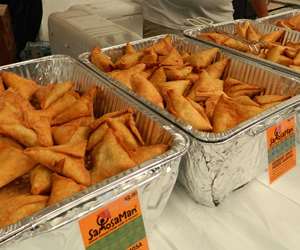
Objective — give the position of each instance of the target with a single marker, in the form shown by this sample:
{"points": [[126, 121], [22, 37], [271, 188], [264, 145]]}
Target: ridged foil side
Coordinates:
{"points": [[283, 15], [154, 179]]}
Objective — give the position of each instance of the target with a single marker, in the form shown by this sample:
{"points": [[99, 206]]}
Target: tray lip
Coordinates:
{"points": [[194, 134], [178, 148]]}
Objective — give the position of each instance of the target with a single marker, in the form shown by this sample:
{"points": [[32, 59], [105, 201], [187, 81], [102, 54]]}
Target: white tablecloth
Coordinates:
{"points": [[256, 217]]}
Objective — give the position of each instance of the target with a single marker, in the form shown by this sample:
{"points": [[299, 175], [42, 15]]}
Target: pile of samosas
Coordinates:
{"points": [[189, 85], [269, 46], [290, 23], [52, 145]]}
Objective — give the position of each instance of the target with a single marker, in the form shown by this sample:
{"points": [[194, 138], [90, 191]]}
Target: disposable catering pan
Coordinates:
{"points": [[283, 15], [153, 179], [216, 164], [262, 27]]}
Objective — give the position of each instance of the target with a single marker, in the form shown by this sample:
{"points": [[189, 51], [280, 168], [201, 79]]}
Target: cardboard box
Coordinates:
{"points": [[7, 42]]}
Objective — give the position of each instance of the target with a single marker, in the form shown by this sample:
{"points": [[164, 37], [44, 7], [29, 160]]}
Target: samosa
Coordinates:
{"points": [[235, 88], [272, 36], [101, 61], [40, 180], [146, 89], [81, 108], [62, 188], [178, 73], [205, 87], [183, 109], [202, 58], [64, 164], [150, 58], [128, 60], [145, 153], [109, 158], [25, 87], [179, 86], [14, 163], [163, 46], [172, 59], [265, 99], [52, 92], [158, 76], [216, 69]]}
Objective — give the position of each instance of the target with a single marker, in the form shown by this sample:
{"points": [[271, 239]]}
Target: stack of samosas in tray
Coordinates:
{"points": [[269, 46], [191, 86], [52, 145]]}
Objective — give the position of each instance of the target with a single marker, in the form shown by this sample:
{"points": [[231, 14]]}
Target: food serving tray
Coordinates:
{"points": [[216, 164], [153, 179], [262, 27], [283, 15]]}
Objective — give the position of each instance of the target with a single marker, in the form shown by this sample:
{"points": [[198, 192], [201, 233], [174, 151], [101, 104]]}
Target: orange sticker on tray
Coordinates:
{"points": [[281, 148], [117, 226]]}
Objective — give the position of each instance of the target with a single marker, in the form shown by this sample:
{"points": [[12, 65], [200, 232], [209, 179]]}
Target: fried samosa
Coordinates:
{"points": [[172, 59], [109, 158], [146, 89], [101, 60], [179, 86], [40, 180], [145, 153], [235, 88], [202, 58], [62, 188], [81, 108], [183, 109], [25, 87], [178, 73], [14, 163], [216, 69], [60, 163]]}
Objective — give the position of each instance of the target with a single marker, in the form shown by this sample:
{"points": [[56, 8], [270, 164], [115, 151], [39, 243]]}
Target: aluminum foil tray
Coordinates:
{"points": [[262, 27], [153, 179], [216, 164]]}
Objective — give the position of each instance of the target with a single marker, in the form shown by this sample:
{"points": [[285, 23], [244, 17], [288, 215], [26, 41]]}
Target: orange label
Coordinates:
{"points": [[281, 148], [119, 225]]}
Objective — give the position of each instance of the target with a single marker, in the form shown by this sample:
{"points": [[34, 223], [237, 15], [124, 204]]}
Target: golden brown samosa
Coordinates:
{"points": [[146, 89], [20, 133], [62, 104], [265, 99], [60, 163], [14, 163], [124, 76], [72, 132], [216, 69], [150, 58], [245, 100], [205, 87], [252, 34], [183, 109], [109, 158], [172, 59], [238, 45], [81, 108], [158, 76], [101, 60], [272, 36], [52, 92], [275, 53], [241, 29], [8, 142], [40, 180], [145, 153], [128, 60], [62, 188], [235, 88], [216, 37], [25, 87], [178, 73], [202, 58], [19, 207], [179, 86], [39, 122], [210, 105], [163, 46]]}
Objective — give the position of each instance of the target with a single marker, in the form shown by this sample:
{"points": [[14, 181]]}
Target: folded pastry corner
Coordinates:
{"points": [[100, 60]]}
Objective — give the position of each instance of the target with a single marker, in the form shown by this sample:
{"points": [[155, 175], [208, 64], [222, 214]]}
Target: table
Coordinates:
{"points": [[257, 216]]}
